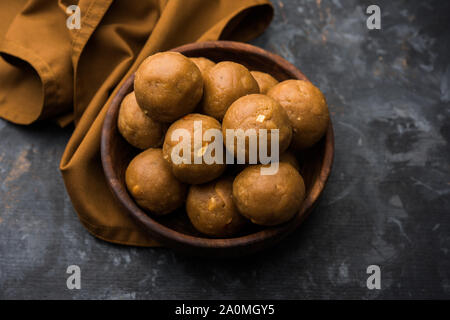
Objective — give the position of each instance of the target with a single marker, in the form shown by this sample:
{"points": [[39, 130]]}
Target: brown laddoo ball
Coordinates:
{"points": [[256, 111], [151, 183], [193, 173], [269, 199], [211, 209], [203, 64], [225, 83], [265, 81], [138, 129], [307, 110], [168, 86], [291, 159]]}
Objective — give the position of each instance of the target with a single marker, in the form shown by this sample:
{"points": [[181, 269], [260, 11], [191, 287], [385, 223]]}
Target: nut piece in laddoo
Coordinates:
{"points": [[265, 81], [269, 199], [168, 86], [225, 83], [152, 184], [255, 112], [211, 209], [203, 64], [307, 110], [189, 165], [138, 129]]}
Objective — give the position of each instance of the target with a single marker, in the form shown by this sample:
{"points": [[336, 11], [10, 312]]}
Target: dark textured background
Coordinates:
{"points": [[387, 201]]}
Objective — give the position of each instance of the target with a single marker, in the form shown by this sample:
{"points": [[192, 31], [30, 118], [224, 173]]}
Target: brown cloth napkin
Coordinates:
{"points": [[48, 71]]}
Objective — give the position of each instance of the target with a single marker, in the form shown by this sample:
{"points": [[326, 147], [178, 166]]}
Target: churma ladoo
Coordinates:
{"points": [[265, 81], [168, 86], [307, 110], [203, 64], [257, 111], [194, 173], [225, 83], [269, 199], [211, 208], [291, 159], [151, 183], [138, 129]]}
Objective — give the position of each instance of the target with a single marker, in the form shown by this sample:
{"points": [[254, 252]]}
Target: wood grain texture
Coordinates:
{"points": [[175, 230]]}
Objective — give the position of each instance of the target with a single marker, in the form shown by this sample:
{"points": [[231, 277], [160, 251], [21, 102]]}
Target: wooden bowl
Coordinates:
{"points": [[175, 230]]}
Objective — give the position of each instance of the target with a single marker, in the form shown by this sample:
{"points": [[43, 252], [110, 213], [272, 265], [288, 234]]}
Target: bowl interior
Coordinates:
{"points": [[117, 153]]}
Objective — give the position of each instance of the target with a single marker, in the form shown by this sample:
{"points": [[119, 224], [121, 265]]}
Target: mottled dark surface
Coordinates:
{"points": [[387, 201]]}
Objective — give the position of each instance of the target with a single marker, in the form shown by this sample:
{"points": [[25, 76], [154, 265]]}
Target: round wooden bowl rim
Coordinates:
{"points": [[162, 232]]}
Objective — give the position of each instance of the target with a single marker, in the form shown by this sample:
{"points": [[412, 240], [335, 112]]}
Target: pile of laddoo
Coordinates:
{"points": [[173, 92]]}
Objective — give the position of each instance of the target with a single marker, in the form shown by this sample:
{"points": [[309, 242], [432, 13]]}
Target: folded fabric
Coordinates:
{"points": [[48, 71]]}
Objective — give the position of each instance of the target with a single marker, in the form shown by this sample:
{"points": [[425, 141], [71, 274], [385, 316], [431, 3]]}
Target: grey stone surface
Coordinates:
{"points": [[387, 201]]}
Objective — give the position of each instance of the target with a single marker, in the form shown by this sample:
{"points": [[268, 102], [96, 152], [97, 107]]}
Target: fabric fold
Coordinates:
{"points": [[36, 37], [118, 37]]}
